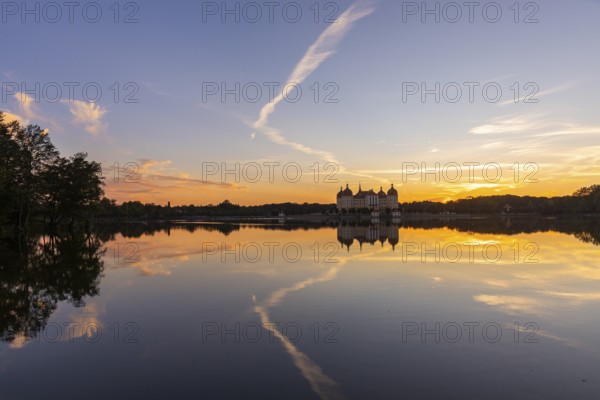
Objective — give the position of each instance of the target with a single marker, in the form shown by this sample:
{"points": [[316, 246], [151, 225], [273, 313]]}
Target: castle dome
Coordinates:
{"points": [[381, 192], [340, 193], [392, 191], [347, 191]]}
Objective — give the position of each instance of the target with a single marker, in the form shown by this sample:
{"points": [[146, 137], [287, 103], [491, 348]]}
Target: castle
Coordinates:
{"points": [[381, 201]]}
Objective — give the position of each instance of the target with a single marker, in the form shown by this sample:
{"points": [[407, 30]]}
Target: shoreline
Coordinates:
{"points": [[318, 218]]}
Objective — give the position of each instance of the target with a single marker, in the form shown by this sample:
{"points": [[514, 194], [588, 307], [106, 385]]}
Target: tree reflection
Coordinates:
{"points": [[586, 229], [36, 273]]}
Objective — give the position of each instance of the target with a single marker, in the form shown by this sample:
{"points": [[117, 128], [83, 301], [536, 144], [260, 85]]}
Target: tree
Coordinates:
{"points": [[589, 198], [9, 157], [34, 178], [40, 272], [74, 188], [36, 154]]}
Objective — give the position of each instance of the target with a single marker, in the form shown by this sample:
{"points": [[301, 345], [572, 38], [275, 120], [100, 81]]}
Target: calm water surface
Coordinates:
{"points": [[471, 309]]}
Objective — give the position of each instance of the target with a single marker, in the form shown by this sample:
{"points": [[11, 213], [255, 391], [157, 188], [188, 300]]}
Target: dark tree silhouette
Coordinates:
{"points": [[36, 273], [35, 180]]}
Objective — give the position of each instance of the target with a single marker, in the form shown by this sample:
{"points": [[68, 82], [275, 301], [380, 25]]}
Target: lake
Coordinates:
{"points": [[442, 308]]}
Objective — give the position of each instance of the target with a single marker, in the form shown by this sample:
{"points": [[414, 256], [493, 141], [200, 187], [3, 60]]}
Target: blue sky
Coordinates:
{"points": [[370, 55]]}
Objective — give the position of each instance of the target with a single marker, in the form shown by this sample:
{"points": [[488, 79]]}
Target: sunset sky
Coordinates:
{"points": [[362, 125]]}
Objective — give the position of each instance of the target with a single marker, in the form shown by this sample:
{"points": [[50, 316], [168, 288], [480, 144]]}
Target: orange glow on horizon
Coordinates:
{"points": [[260, 194]]}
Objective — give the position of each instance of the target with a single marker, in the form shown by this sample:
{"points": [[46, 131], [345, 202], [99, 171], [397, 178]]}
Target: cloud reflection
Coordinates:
{"points": [[325, 387]]}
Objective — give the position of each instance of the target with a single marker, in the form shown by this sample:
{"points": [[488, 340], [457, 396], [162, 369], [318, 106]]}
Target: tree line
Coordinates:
{"points": [[584, 201], [40, 271], [137, 210], [36, 183]]}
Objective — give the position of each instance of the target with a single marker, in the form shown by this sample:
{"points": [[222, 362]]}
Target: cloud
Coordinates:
{"points": [[28, 112], [186, 180], [161, 171], [155, 88], [316, 54], [89, 115], [9, 117], [508, 124], [577, 297], [27, 106], [275, 136], [158, 179], [528, 94], [509, 304], [536, 125], [572, 129]]}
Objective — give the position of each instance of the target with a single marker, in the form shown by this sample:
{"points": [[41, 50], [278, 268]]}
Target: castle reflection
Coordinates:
{"points": [[348, 232]]}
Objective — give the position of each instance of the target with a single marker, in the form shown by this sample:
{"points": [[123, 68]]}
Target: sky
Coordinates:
{"points": [[201, 103]]}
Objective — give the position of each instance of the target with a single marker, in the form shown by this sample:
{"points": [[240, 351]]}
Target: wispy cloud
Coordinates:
{"points": [[323, 48], [28, 112], [156, 178], [510, 304], [533, 125], [27, 105], [536, 96], [276, 137], [514, 123], [89, 115], [576, 297], [156, 89], [572, 129]]}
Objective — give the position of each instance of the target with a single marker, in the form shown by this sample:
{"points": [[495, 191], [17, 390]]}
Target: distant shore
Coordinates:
{"points": [[319, 218]]}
